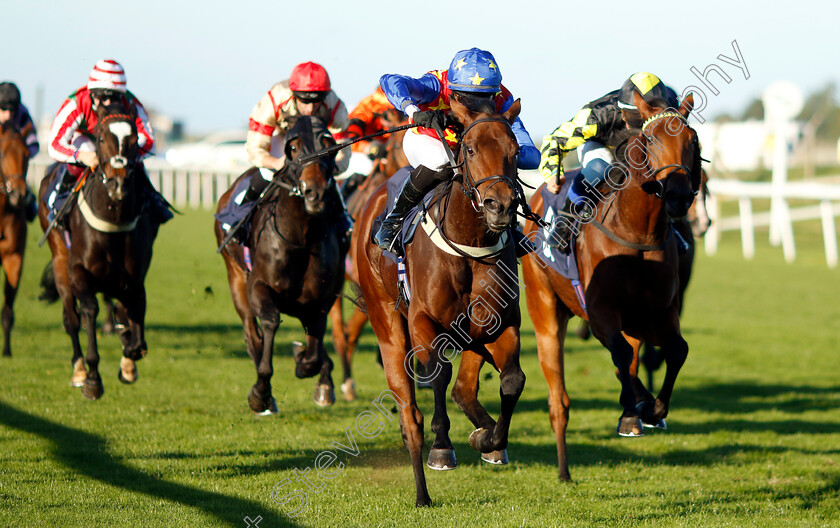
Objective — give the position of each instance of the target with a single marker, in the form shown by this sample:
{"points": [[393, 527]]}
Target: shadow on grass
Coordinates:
{"points": [[87, 454]]}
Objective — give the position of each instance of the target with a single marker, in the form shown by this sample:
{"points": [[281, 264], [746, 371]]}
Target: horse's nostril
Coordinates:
{"points": [[493, 206]]}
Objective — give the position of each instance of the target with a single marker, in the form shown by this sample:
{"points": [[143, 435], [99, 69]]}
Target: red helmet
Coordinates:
{"points": [[309, 77]]}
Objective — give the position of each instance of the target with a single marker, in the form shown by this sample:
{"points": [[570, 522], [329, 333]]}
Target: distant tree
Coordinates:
{"points": [[755, 110]]}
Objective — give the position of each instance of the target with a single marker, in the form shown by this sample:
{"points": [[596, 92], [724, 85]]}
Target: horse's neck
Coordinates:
{"points": [[104, 208], [638, 216], [294, 223], [462, 224]]}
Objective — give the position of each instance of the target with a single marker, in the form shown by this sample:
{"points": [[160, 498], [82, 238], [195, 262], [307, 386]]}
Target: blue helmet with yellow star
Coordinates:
{"points": [[474, 70]]}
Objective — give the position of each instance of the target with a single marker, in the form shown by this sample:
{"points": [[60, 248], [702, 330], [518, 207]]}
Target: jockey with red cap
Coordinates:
{"points": [[473, 78], [70, 140], [307, 92]]}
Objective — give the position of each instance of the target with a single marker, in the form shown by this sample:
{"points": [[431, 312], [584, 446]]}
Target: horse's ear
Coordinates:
{"points": [[513, 112], [687, 105], [460, 111], [644, 109]]}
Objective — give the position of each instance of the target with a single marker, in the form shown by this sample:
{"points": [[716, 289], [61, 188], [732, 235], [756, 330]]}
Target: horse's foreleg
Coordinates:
{"points": [[70, 316], [465, 391], [348, 386], [505, 354], [131, 316], [260, 398], [675, 350], [89, 309], [12, 265], [315, 326], [642, 394], [622, 356]]}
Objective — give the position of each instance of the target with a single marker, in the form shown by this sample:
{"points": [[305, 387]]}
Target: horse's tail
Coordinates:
{"points": [[49, 292], [357, 299]]}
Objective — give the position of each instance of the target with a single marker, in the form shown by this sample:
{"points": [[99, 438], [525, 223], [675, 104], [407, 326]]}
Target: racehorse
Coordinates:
{"points": [[628, 264], [346, 336], [298, 262], [14, 160], [464, 294], [107, 248], [694, 225]]}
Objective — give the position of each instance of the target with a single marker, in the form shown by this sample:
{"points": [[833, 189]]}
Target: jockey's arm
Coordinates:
{"points": [[339, 129], [405, 92], [261, 125]]}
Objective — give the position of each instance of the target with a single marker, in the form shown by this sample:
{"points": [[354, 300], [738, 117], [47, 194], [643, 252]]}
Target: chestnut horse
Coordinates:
{"points": [[298, 263], [14, 160], [346, 336], [110, 239], [464, 294], [628, 263]]}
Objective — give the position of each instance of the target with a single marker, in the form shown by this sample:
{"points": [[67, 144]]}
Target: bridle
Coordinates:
{"points": [[676, 167], [118, 161]]}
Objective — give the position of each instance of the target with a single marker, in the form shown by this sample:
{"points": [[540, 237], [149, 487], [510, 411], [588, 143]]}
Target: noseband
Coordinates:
{"points": [[676, 166]]}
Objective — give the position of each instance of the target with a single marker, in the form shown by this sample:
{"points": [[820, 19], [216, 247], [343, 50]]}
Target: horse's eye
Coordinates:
{"points": [[470, 151]]}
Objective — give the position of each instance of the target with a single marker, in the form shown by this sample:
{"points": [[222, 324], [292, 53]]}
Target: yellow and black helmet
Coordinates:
{"points": [[650, 87]]}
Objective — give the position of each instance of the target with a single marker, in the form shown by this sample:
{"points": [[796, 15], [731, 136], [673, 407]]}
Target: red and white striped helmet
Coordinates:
{"points": [[108, 75]]}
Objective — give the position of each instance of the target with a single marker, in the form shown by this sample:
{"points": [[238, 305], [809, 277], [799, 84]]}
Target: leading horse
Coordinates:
{"points": [[14, 161], [107, 247], [464, 294], [628, 264], [298, 262]]}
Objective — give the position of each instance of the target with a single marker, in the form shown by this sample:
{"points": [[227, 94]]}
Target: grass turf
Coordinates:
{"points": [[753, 439]]}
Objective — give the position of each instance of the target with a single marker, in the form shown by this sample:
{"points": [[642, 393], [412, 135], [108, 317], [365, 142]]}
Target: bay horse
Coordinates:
{"points": [[464, 294], [110, 237], [14, 161], [298, 263], [346, 335], [628, 264]]}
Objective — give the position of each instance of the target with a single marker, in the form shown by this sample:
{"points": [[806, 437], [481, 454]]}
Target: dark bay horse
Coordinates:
{"points": [[464, 295], [346, 336], [631, 293], [110, 239], [14, 161], [298, 263]]}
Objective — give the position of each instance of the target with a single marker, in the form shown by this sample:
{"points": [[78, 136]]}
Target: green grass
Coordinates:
{"points": [[753, 439]]}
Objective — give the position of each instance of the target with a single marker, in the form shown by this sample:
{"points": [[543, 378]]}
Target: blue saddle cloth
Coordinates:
{"points": [[562, 263], [53, 200], [234, 212]]}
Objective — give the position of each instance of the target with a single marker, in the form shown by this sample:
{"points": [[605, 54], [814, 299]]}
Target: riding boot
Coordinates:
{"points": [[160, 208], [562, 227], [68, 175], [256, 186], [409, 197]]}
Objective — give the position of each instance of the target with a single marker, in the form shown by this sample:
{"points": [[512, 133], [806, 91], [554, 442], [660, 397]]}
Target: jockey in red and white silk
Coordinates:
{"points": [[76, 119]]}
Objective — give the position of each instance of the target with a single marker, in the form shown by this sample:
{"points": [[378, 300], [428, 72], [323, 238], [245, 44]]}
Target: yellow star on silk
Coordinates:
{"points": [[477, 80]]}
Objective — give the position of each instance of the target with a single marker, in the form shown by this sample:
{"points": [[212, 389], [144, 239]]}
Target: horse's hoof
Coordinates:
{"points": [[442, 459], [128, 371], [324, 395], [135, 354], [93, 389], [658, 425], [348, 389], [79, 373], [259, 403], [630, 426], [271, 409], [478, 438], [498, 458]]}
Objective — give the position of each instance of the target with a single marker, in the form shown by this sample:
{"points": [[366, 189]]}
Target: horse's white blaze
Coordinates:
{"points": [[122, 131]]}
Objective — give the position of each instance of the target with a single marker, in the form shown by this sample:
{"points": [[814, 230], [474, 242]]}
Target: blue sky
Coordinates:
{"points": [[207, 66]]}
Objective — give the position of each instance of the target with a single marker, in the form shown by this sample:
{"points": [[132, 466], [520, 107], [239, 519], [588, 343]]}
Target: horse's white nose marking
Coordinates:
{"points": [[121, 130]]}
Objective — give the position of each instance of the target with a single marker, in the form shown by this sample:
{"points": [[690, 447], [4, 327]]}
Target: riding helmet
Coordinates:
{"points": [[474, 70], [309, 82], [9, 96], [107, 75]]}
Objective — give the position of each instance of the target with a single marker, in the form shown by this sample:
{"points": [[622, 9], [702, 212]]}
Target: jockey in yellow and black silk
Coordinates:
{"points": [[596, 131]]}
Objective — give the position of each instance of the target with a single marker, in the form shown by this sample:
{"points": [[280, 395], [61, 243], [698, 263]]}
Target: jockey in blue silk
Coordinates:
{"points": [[596, 131], [13, 112], [474, 79]]}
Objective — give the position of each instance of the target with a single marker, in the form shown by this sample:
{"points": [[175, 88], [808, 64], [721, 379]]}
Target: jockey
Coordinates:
{"points": [[596, 131], [307, 92], [472, 76], [12, 111], [70, 140]]}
